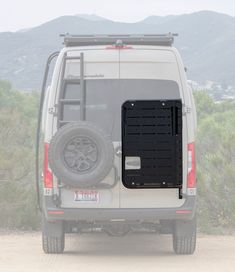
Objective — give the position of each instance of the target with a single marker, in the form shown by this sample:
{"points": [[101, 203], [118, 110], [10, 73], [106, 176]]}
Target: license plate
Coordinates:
{"points": [[86, 196]]}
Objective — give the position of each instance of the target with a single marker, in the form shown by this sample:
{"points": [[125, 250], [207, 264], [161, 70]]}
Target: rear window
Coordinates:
{"points": [[104, 99]]}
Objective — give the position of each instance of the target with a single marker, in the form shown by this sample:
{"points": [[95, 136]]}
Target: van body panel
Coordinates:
{"points": [[98, 63]]}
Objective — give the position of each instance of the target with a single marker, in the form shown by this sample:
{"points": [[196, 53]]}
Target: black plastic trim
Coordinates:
{"points": [[93, 214]]}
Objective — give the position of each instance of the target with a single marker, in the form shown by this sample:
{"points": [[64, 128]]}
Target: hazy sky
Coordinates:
{"points": [[18, 14]]}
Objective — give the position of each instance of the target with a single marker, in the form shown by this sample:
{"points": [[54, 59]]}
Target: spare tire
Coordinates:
{"points": [[80, 154]]}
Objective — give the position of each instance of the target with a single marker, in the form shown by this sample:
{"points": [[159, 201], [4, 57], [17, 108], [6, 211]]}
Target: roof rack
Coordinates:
{"points": [[119, 40]]}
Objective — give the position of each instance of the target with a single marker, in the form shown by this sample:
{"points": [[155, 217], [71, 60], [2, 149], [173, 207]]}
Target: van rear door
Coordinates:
{"points": [[150, 81], [101, 69]]}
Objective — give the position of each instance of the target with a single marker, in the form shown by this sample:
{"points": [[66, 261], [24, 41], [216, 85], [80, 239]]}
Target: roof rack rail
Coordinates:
{"points": [[122, 39]]}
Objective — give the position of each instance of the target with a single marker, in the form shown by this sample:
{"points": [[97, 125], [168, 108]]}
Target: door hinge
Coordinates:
{"points": [[53, 110], [186, 109]]}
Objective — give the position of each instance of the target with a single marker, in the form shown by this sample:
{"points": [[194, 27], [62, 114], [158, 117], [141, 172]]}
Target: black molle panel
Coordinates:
{"points": [[152, 131]]}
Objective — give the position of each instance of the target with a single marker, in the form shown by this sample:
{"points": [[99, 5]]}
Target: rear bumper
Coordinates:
{"points": [[185, 212]]}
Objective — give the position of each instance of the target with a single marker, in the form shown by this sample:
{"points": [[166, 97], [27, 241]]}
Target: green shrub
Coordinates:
{"points": [[215, 163], [18, 113]]}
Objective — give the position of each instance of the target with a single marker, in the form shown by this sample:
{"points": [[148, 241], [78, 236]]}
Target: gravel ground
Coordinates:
{"points": [[21, 252]]}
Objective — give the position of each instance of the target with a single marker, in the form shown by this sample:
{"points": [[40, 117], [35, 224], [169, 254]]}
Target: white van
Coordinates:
{"points": [[119, 153]]}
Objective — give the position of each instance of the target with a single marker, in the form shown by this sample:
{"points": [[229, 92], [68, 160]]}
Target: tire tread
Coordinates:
{"points": [[184, 244], [53, 245]]}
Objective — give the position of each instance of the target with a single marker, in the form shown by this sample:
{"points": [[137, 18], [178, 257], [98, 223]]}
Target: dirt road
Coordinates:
{"points": [[99, 252]]}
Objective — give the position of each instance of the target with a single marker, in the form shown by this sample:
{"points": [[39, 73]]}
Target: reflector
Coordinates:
{"points": [[47, 174], [191, 182]]}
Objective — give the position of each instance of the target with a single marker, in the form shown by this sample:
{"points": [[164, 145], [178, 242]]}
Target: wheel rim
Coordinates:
{"points": [[81, 154]]}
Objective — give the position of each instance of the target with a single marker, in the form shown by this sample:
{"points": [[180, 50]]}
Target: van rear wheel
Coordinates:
{"points": [[184, 236], [53, 245], [53, 238]]}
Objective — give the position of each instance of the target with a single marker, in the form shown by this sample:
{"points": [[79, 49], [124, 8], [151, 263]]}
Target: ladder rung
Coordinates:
{"points": [[70, 101], [73, 58], [66, 122], [72, 80]]}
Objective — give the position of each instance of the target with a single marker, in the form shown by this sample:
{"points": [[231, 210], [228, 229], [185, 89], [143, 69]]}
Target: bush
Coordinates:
{"points": [[215, 163], [17, 188]]}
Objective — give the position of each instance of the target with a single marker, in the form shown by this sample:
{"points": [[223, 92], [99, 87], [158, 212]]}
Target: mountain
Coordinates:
{"points": [[155, 20], [91, 17], [206, 42]]}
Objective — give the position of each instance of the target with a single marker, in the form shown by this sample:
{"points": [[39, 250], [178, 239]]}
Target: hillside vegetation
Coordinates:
{"points": [[215, 161], [206, 43], [18, 113]]}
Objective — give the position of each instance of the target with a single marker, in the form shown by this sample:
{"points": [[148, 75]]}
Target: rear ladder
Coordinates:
{"points": [[62, 95]]}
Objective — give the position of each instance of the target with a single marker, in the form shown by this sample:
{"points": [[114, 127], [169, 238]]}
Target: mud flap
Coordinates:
{"points": [[52, 228], [185, 228]]}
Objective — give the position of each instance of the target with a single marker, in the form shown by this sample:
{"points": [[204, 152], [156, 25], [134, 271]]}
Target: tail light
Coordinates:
{"points": [[47, 174], [191, 181]]}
